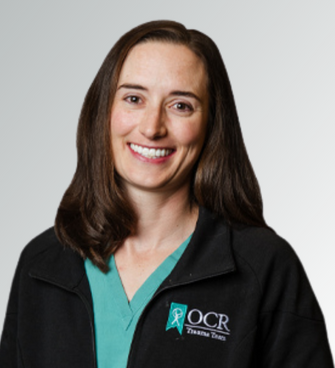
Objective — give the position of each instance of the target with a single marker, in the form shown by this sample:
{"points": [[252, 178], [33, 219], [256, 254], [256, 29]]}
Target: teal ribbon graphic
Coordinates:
{"points": [[177, 317]]}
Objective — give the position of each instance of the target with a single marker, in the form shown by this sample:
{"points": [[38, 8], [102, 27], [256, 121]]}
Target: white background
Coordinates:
{"points": [[280, 57]]}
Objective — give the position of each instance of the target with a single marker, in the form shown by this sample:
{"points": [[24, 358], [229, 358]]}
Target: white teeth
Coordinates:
{"points": [[150, 153], [145, 152]]}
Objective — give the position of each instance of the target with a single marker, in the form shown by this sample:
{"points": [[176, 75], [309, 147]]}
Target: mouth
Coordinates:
{"points": [[153, 153]]}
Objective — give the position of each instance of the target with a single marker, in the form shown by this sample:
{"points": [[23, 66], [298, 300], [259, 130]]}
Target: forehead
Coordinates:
{"points": [[163, 63]]}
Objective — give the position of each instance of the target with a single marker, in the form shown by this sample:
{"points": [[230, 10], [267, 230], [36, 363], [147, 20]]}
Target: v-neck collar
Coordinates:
{"points": [[128, 309]]}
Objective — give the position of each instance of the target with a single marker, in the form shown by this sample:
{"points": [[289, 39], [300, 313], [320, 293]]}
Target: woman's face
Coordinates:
{"points": [[159, 116]]}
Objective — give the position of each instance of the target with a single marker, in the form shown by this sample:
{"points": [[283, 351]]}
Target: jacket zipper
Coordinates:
{"points": [[158, 293], [82, 298]]}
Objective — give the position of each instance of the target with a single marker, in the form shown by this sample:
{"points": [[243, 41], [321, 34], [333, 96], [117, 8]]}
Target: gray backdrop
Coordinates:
{"points": [[280, 58]]}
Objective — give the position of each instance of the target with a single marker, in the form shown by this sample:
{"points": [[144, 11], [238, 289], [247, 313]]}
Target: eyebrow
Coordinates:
{"points": [[132, 86], [185, 93], [173, 93]]}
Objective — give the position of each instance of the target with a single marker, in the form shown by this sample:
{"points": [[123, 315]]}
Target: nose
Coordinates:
{"points": [[153, 125]]}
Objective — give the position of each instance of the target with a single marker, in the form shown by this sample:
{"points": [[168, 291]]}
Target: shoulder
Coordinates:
{"points": [[258, 245], [46, 258], [278, 271], [39, 245], [32, 253]]}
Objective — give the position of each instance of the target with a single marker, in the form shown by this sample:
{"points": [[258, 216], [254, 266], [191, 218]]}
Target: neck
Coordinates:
{"points": [[163, 218]]}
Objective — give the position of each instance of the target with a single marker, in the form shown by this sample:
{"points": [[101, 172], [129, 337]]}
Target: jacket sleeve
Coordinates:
{"points": [[290, 340], [292, 331], [9, 354]]}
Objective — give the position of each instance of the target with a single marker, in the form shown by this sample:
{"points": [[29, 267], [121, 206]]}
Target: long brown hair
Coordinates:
{"points": [[95, 216]]}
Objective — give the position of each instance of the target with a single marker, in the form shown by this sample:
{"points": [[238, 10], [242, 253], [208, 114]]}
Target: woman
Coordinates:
{"points": [[160, 256]]}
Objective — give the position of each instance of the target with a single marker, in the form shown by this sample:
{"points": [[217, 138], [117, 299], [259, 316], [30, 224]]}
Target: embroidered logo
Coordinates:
{"points": [[208, 324], [177, 317]]}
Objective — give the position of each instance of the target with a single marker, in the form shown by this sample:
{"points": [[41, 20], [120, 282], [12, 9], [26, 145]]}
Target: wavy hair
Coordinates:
{"points": [[95, 216]]}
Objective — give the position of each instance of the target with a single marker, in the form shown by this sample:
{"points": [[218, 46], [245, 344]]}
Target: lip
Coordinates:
{"points": [[158, 160]]}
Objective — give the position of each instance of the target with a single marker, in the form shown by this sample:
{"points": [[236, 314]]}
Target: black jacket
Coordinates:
{"points": [[236, 299]]}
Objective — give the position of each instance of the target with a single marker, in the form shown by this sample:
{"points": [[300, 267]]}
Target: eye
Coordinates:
{"points": [[133, 99], [182, 106]]}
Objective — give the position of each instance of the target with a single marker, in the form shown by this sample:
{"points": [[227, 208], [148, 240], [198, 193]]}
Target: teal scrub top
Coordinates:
{"points": [[115, 318]]}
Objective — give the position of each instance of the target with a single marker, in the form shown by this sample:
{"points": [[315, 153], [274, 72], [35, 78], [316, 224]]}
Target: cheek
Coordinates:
{"points": [[191, 135], [121, 123]]}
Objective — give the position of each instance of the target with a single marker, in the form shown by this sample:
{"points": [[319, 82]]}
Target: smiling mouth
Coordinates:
{"points": [[150, 152]]}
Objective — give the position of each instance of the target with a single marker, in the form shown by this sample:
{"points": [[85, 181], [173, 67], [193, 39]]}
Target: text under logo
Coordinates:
{"points": [[177, 317]]}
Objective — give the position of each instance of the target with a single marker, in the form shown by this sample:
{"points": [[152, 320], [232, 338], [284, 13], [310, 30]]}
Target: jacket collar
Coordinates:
{"points": [[62, 267], [208, 254]]}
